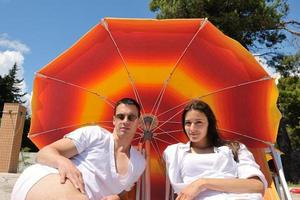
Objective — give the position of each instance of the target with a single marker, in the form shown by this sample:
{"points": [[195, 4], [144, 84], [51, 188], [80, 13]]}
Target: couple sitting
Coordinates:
{"points": [[91, 163]]}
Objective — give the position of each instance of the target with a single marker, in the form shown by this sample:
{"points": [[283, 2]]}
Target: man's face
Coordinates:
{"points": [[126, 120]]}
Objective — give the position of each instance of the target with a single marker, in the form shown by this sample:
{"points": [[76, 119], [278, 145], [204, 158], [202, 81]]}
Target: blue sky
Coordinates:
{"points": [[33, 32]]}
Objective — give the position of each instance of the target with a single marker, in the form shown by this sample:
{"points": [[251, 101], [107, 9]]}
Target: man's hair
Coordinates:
{"points": [[128, 101]]}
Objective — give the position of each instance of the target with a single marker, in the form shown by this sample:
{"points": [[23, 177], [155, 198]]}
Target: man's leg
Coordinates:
{"points": [[50, 188]]}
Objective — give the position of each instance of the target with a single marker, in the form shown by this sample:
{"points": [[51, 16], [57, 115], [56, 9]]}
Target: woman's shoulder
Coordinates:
{"points": [[171, 148], [181, 146], [176, 149], [233, 145]]}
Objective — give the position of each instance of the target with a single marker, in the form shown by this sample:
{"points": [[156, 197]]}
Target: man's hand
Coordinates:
{"points": [[67, 170], [111, 197], [57, 155]]}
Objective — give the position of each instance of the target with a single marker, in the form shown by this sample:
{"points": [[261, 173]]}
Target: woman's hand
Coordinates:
{"points": [[111, 197], [192, 190]]}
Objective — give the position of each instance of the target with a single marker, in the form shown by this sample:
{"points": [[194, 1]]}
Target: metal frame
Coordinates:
{"points": [[279, 169]]}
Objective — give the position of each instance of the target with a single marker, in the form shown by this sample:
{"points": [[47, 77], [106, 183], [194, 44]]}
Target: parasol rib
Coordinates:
{"points": [[140, 133], [156, 148], [135, 91], [171, 122], [65, 127], [141, 141], [179, 112], [137, 138], [164, 132], [167, 142], [217, 91], [214, 92], [167, 133], [77, 86], [158, 99], [247, 136], [161, 94], [137, 135]]}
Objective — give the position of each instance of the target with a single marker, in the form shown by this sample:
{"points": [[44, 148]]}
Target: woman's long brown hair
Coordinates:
{"points": [[212, 132]]}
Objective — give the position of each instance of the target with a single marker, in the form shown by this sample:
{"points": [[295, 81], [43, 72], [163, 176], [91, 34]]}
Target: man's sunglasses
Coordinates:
{"points": [[130, 117]]}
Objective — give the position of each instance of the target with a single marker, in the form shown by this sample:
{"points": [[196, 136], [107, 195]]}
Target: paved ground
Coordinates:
{"points": [[6, 183], [7, 180]]}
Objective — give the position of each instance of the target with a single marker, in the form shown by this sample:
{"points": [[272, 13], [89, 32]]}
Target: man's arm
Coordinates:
{"points": [[57, 155]]}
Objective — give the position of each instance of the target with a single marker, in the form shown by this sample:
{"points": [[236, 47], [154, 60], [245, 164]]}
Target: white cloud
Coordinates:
{"points": [[7, 61], [6, 43], [13, 52], [27, 104]]}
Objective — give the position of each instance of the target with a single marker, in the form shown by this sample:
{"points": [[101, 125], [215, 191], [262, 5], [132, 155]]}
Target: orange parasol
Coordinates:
{"points": [[163, 64]]}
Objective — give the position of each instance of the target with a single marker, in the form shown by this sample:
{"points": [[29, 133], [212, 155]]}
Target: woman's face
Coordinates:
{"points": [[196, 125]]}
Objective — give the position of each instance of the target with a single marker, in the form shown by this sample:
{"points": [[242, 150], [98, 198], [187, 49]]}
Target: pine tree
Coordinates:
{"points": [[10, 90]]}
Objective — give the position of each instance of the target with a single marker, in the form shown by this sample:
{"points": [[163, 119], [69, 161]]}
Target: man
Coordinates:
{"points": [[88, 163]]}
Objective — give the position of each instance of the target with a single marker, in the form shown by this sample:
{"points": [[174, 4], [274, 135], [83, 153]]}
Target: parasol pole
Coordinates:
{"points": [[167, 194], [279, 168], [147, 171], [148, 122], [140, 181]]}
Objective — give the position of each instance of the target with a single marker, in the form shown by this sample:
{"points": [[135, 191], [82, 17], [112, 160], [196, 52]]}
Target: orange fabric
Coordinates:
{"points": [[163, 64]]}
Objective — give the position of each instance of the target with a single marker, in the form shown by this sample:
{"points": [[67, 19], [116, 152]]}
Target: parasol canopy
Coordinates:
{"points": [[163, 64]]}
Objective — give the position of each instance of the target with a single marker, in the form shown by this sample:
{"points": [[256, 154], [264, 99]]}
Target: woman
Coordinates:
{"points": [[208, 167]]}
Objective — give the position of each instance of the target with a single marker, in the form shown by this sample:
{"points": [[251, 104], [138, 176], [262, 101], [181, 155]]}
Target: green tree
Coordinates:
{"points": [[288, 65], [26, 142], [289, 105], [288, 138], [10, 90], [258, 25], [246, 21]]}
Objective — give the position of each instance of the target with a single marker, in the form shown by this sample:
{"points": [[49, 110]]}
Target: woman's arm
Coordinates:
{"points": [[250, 185], [250, 179]]}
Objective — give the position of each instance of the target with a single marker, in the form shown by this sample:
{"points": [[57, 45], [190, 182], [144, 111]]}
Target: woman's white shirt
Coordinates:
{"points": [[195, 166], [184, 167]]}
